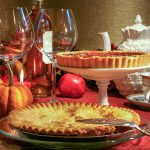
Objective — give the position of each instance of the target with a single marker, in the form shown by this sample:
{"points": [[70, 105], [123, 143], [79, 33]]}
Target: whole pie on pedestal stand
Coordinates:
{"points": [[103, 66]]}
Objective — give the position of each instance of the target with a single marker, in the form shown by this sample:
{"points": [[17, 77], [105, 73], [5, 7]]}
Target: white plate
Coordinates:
{"points": [[139, 100]]}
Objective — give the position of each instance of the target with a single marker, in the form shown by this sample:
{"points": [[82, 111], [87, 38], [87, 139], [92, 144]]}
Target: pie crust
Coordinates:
{"points": [[61, 118], [102, 59]]}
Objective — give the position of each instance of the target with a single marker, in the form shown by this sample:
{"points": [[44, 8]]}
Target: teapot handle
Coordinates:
{"points": [[106, 40]]}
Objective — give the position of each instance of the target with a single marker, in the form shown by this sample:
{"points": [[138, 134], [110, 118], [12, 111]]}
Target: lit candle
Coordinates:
{"points": [[27, 84], [21, 76]]}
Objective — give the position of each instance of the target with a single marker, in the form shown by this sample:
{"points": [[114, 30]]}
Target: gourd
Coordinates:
{"points": [[13, 95]]}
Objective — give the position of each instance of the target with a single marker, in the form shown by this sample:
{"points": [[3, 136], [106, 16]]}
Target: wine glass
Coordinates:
{"points": [[55, 31], [16, 34]]}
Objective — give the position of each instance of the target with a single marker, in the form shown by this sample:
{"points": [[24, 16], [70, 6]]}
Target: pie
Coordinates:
{"points": [[61, 118], [102, 59]]}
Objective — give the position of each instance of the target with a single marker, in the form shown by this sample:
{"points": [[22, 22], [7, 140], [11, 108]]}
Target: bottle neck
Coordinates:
{"points": [[36, 6]]}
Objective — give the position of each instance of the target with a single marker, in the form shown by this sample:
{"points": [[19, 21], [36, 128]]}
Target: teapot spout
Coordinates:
{"points": [[106, 40]]}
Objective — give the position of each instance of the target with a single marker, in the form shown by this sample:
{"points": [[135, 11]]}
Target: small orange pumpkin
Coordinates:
{"points": [[13, 96]]}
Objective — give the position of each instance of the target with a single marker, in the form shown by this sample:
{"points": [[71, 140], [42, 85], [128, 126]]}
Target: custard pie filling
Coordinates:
{"points": [[61, 118]]}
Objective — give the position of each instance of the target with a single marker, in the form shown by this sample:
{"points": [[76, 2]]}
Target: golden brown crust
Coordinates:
{"points": [[102, 59], [60, 118]]}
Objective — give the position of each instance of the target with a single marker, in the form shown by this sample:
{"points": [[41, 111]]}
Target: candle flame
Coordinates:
{"points": [[21, 76]]}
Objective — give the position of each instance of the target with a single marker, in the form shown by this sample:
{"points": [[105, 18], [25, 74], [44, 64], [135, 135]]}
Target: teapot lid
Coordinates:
{"points": [[138, 26]]}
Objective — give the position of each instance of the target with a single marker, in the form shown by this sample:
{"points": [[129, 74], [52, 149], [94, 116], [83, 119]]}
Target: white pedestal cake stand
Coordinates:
{"points": [[103, 77]]}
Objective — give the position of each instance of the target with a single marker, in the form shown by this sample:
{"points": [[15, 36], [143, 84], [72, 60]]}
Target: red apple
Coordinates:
{"points": [[71, 85]]}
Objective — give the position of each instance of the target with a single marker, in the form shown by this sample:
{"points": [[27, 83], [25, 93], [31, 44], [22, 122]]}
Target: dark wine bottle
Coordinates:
{"points": [[36, 71]]}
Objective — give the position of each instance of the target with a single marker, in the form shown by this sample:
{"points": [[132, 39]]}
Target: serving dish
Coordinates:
{"points": [[139, 100], [68, 142], [103, 76], [103, 73]]}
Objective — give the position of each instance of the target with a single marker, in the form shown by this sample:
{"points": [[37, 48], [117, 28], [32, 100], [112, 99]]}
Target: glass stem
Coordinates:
{"points": [[53, 81]]}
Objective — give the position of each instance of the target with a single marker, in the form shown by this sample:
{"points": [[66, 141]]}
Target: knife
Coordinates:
{"points": [[115, 122], [106, 121]]}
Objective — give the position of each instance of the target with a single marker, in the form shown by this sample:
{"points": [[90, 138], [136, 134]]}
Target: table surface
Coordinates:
{"points": [[92, 96]]}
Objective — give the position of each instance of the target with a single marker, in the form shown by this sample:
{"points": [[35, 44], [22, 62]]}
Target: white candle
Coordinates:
{"points": [[27, 84], [21, 76], [47, 41]]}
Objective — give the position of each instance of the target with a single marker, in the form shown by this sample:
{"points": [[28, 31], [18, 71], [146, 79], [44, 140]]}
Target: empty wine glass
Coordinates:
{"points": [[55, 30], [16, 34]]}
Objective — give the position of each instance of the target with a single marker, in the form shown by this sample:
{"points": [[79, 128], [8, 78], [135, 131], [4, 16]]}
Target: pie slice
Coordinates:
{"points": [[61, 118], [102, 59]]}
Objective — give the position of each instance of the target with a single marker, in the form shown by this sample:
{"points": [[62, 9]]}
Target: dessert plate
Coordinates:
{"points": [[68, 142], [139, 100]]}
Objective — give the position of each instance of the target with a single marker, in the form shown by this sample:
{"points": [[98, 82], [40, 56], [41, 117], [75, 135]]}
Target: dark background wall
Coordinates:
{"points": [[94, 16]]}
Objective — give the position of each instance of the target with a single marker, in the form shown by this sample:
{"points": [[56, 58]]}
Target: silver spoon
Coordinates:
{"points": [[115, 122]]}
